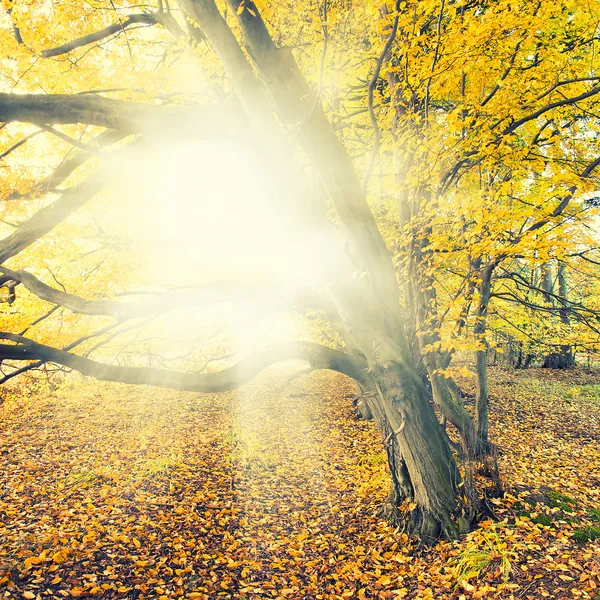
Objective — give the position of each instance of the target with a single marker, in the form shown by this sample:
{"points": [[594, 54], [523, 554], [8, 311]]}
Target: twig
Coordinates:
{"points": [[372, 84]]}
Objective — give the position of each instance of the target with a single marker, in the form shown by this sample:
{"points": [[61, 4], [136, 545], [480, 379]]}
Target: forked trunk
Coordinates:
{"points": [[422, 467]]}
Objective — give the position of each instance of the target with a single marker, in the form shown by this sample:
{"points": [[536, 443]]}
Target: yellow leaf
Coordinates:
{"points": [[59, 557], [32, 560]]}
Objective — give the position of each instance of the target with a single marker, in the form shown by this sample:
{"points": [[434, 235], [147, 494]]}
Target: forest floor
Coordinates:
{"points": [[132, 492]]}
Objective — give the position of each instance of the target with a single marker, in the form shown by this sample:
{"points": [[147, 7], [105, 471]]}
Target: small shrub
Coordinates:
{"points": [[486, 552]]}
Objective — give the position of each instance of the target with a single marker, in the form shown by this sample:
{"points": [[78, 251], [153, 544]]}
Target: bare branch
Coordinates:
{"points": [[565, 82], [19, 144], [434, 61], [319, 357], [511, 63], [142, 18], [504, 75], [16, 30], [66, 138], [566, 200], [74, 344], [377, 131], [69, 165], [538, 113], [45, 316]]}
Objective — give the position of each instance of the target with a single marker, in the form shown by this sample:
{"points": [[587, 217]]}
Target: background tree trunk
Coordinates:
{"points": [[564, 356], [482, 402]]}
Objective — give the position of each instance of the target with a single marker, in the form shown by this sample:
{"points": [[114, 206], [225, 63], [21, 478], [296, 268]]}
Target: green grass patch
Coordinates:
{"points": [[373, 459], [594, 514], [161, 465], [543, 520], [586, 534], [562, 501], [487, 551], [81, 479]]}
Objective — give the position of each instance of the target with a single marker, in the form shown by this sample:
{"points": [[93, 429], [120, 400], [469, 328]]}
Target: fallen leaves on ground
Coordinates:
{"points": [[131, 492]]}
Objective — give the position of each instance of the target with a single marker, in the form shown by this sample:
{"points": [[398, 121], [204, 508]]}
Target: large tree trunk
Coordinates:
{"points": [[445, 393], [564, 358], [421, 464]]}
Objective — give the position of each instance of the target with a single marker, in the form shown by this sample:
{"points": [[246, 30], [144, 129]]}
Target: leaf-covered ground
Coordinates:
{"points": [[121, 492]]}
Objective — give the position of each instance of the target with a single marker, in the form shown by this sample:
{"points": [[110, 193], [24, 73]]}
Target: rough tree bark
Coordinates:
{"points": [[418, 287]]}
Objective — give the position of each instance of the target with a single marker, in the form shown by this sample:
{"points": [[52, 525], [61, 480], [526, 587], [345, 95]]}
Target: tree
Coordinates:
{"points": [[362, 304]]}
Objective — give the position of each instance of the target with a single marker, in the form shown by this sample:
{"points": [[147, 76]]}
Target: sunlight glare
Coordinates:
{"points": [[205, 212]]}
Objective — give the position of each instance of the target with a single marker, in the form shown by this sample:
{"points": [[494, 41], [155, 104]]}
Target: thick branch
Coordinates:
{"points": [[128, 117], [299, 109], [142, 18], [50, 216], [161, 303], [319, 357]]}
